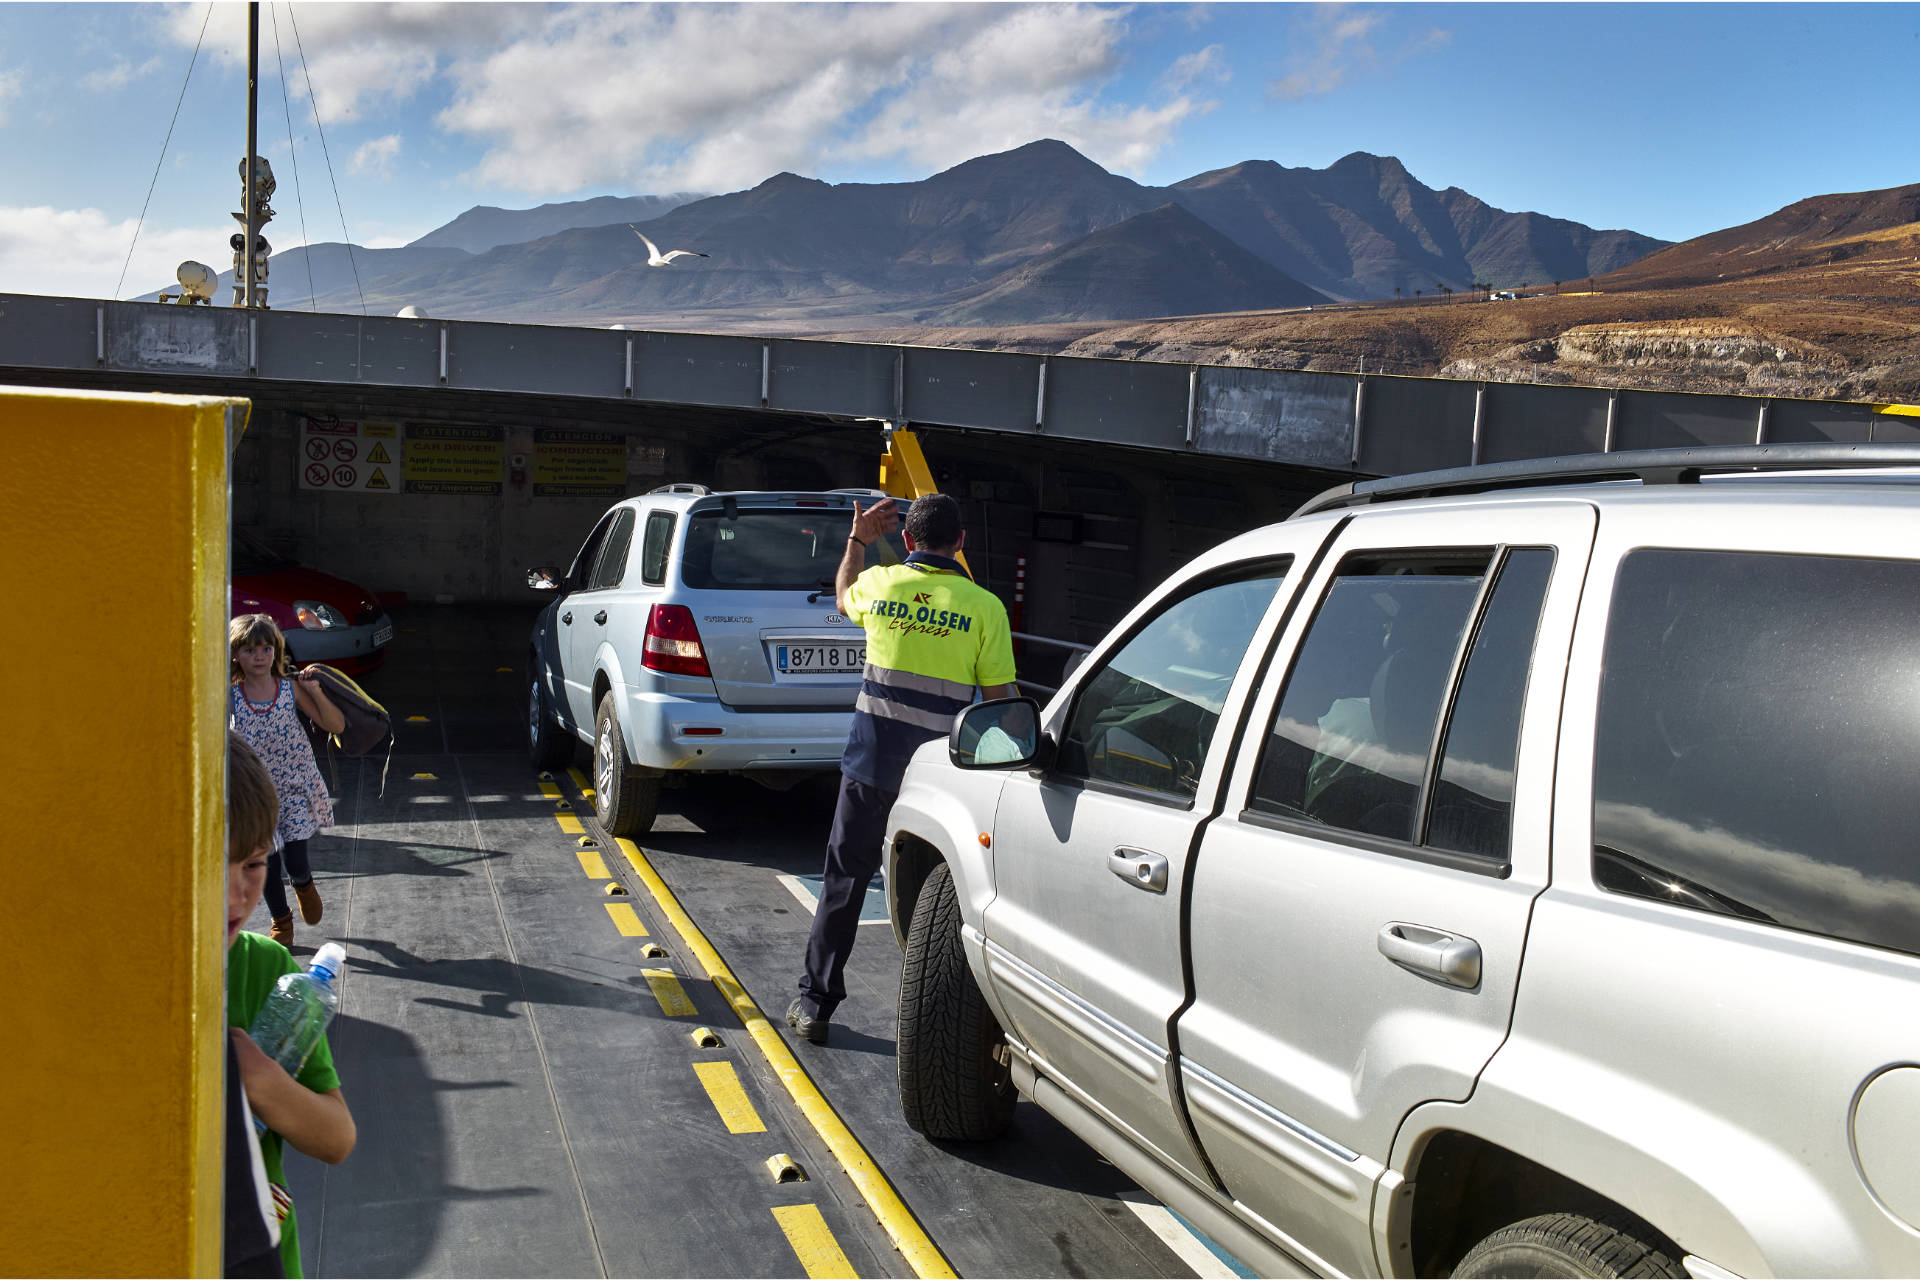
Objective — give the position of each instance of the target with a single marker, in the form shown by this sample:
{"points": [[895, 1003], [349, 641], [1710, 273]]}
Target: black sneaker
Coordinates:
{"points": [[812, 1028]]}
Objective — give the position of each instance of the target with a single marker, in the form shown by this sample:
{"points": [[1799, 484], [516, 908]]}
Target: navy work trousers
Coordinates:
{"points": [[853, 856]]}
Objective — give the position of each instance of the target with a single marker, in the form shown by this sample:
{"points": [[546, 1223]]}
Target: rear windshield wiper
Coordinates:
{"points": [[826, 589]]}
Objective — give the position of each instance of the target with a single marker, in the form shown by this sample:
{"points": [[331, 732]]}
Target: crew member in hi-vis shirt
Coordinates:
{"points": [[933, 635]]}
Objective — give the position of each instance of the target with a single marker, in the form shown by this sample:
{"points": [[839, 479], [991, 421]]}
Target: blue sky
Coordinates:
{"points": [[1673, 120]]}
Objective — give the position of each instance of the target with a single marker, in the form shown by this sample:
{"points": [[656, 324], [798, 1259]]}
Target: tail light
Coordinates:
{"points": [[673, 642]]}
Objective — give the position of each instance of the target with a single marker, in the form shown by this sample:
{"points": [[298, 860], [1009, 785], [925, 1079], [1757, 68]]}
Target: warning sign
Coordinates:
{"points": [[578, 464], [439, 459], [334, 455]]}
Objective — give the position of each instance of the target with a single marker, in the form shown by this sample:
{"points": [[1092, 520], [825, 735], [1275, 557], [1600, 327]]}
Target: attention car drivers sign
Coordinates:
{"points": [[455, 460], [349, 457]]}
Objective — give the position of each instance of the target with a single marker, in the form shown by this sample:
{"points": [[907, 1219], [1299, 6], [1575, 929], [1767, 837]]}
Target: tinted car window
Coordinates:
{"points": [[612, 564], [1757, 737], [653, 548], [1350, 741], [589, 552], [1472, 807], [1146, 718], [772, 550]]}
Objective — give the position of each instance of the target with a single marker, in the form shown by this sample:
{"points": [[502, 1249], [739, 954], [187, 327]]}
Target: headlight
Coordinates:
{"points": [[317, 615]]}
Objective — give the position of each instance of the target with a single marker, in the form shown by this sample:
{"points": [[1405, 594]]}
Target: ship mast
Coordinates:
{"points": [[249, 204]]}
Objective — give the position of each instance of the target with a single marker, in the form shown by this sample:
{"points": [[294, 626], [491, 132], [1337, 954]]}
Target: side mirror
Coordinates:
{"points": [[1001, 734], [544, 578]]}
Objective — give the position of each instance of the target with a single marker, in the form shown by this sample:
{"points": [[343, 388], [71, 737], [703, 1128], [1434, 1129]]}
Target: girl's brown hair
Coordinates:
{"points": [[251, 629], [253, 808]]}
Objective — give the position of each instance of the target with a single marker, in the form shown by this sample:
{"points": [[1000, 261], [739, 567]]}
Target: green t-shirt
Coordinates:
{"points": [[254, 964]]}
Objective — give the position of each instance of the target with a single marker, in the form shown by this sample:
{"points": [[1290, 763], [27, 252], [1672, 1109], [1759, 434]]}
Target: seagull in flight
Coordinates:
{"points": [[657, 259]]}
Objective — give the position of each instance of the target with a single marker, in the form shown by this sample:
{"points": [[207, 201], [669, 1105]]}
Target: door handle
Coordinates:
{"points": [[1139, 868], [567, 618], [601, 618], [1450, 958]]}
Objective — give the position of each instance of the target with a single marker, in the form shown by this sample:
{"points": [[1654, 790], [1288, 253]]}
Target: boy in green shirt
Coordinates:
{"points": [[309, 1111]]}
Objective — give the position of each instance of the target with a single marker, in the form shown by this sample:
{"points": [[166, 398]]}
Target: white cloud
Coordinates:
{"points": [[1208, 65], [10, 85], [375, 159], [715, 97], [602, 94], [78, 252], [1335, 41], [121, 74]]}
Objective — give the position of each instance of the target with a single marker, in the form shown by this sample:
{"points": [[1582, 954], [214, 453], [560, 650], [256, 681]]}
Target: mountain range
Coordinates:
{"points": [[1033, 235]]}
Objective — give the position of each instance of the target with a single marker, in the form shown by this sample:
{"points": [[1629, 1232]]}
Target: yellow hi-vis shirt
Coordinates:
{"points": [[933, 634]]}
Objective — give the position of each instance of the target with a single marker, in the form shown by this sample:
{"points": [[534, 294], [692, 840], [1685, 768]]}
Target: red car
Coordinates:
{"points": [[325, 619]]}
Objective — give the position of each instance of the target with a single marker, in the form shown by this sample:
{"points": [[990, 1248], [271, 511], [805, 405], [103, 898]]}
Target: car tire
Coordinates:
{"points": [[1571, 1245], [624, 800], [548, 746], [954, 1065]]}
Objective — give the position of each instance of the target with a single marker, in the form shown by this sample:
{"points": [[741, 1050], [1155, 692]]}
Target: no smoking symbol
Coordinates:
{"points": [[317, 450], [344, 476], [316, 473]]}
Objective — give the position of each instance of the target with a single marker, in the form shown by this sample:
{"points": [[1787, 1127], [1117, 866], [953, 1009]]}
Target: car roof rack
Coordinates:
{"points": [[682, 487], [1648, 466]]}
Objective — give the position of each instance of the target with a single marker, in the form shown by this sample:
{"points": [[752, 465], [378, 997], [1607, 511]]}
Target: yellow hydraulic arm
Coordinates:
{"points": [[904, 472]]}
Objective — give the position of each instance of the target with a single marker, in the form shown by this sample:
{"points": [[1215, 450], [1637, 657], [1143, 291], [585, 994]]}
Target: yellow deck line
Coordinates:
{"points": [[908, 1236], [812, 1240], [626, 921], [729, 1097], [666, 989], [551, 790], [593, 865], [1907, 411], [580, 781], [569, 824]]}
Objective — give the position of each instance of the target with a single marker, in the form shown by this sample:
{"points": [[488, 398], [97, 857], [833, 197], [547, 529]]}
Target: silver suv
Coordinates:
{"points": [[697, 631], [1512, 871]]}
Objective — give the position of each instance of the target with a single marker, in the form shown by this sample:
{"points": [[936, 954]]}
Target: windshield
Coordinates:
{"points": [[252, 556], [773, 550]]}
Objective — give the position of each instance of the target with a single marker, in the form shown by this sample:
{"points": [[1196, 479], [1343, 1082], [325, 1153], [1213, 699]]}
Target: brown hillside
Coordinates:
{"points": [[1821, 299]]}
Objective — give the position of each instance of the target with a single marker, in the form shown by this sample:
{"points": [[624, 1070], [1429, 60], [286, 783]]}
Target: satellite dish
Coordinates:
{"points": [[412, 312], [197, 280]]}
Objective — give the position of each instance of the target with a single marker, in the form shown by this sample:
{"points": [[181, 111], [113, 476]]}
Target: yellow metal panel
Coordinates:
{"points": [[812, 1241], [729, 1097], [114, 1072]]}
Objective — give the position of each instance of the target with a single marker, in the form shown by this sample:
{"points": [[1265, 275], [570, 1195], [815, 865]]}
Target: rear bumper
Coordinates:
{"points": [[657, 728], [337, 645]]}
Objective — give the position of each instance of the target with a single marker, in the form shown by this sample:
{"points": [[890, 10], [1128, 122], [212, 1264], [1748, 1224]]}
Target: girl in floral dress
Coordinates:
{"points": [[262, 698]]}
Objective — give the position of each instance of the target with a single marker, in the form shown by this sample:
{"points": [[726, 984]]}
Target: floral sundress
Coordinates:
{"points": [[273, 730]]}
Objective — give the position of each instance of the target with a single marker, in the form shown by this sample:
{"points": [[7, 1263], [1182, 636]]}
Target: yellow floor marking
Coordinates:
{"points": [[729, 1097], [905, 1231], [434, 777], [503, 669], [593, 865], [1910, 411], [812, 1240], [420, 719], [580, 781], [551, 790], [667, 990], [569, 824], [625, 921]]}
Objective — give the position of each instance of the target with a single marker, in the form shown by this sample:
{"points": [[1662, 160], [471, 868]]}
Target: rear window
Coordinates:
{"points": [[785, 549], [1758, 733]]}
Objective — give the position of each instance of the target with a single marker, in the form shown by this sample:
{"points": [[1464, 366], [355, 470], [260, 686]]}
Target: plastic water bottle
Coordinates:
{"points": [[298, 1010]]}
